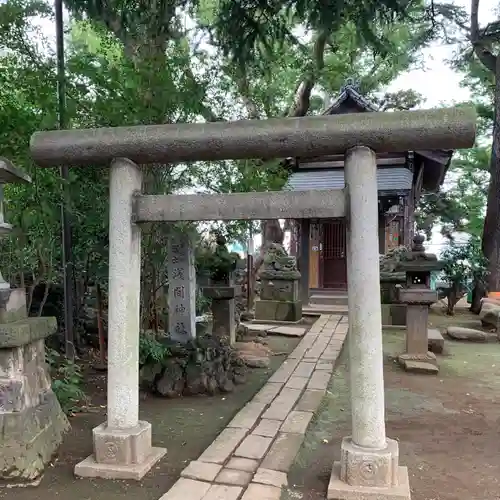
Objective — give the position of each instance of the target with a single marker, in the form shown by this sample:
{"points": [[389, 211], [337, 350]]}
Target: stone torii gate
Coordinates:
{"points": [[369, 467]]}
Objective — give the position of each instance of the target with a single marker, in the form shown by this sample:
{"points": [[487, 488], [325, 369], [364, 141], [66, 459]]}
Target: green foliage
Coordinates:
{"points": [[465, 265], [217, 263], [67, 380], [151, 351]]}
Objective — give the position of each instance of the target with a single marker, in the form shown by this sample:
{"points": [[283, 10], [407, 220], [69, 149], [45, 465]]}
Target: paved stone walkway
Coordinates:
{"points": [[250, 458]]}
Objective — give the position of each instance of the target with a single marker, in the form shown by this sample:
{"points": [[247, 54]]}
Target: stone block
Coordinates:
{"points": [[26, 331], [283, 452], [394, 314], [435, 341], [283, 373], [319, 380], [339, 490], [92, 469], [240, 463], [261, 492], [234, 477], [184, 489], [248, 415], [281, 290], [15, 308], [304, 369], [369, 467], [273, 310], [297, 382], [267, 428], [282, 405], [271, 478], [268, 393], [124, 447], [310, 400], [253, 446], [201, 471], [288, 331], [30, 438], [222, 492], [297, 422], [223, 446]]}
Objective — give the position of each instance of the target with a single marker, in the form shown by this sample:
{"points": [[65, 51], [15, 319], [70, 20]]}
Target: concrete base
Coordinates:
{"points": [[278, 310], [120, 454], [90, 468], [419, 363], [338, 490]]}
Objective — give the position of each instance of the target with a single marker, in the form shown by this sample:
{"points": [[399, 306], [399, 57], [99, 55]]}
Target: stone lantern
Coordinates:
{"points": [[33, 422], [418, 297]]}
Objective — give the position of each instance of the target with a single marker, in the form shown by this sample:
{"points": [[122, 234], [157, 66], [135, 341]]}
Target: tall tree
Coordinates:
{"points": [[483, 44]]}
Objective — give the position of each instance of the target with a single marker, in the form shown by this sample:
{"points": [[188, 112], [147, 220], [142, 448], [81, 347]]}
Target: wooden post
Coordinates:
{"points": [[305, 231]]}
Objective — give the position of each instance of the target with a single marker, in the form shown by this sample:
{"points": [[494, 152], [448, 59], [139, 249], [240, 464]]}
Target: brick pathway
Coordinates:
{"points": [[250, 458]]}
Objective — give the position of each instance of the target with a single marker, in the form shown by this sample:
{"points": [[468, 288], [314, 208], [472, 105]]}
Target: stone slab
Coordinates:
{"points": [[225, 443], [201, 471], [248, 415], [253, 447], [267, 393], [326, 366], [310, 400], [258, 327], [271, 477], [338, 490], [261, 492], [282, 405], [245, 464], [283, 452], [26, 331], [288, 331], [297, 422], [319, 380], [283, 373], [234, 477], [304, 369], [297, 382], [267, 428], [435, 341], [417, 366], [222, 492], [90, 468], [184, 489]]}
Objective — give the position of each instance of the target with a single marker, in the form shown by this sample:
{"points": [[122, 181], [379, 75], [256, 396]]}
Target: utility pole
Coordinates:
{"points": [[67, 261]]}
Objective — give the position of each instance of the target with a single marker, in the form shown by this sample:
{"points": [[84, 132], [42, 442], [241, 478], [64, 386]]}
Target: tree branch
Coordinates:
{"points": [[302, 98], [483, 53]]}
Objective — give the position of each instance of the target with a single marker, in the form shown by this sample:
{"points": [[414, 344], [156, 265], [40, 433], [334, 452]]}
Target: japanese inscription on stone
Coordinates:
{"points": [[182, 288]]}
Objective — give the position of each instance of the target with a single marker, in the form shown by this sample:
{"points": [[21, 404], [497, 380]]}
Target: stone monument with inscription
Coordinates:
{"points": [[181, 288], [33, 424], [279, 295], [418, 297]]}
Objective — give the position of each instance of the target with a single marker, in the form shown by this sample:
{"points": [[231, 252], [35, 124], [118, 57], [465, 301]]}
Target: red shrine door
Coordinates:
{"points": [[333, 267]]}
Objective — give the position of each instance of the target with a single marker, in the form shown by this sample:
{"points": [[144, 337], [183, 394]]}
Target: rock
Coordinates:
{"points": [[148, 374], [253, 361], [196, 380], [171, 383], [490, 314], [254, 348], [247, 316], [469, 334]]}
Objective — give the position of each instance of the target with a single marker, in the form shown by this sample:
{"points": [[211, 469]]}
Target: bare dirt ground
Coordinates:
{"points": [[447, 425], [185, 426]]}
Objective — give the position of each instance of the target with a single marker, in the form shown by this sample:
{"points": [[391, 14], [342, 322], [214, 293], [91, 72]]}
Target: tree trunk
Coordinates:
{"points": [[478, 293], [491, 232]]}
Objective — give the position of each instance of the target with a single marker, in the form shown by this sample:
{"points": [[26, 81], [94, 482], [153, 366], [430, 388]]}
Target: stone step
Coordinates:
{"points": [[331, 299], [318, 309]]}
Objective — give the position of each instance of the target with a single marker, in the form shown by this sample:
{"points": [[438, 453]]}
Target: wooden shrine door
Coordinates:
{"points": [[333, 254]]}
